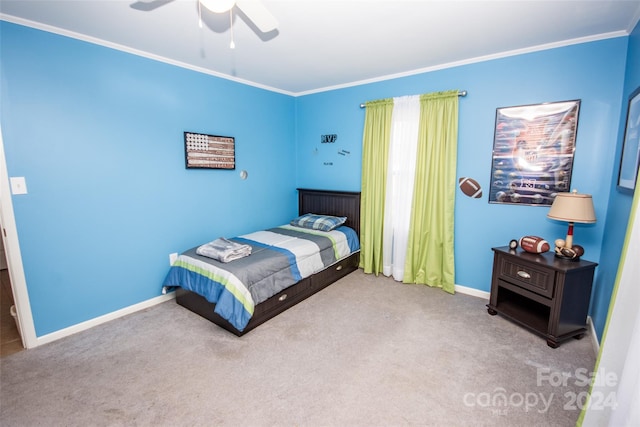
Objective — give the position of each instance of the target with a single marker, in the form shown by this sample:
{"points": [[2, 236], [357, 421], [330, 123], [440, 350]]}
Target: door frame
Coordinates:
{"points": [[14, 257]]}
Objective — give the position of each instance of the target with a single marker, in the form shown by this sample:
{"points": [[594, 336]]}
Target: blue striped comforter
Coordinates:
{"points": [[280, 257]]}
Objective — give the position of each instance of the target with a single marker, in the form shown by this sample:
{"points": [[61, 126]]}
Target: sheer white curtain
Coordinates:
{"points": [[400, 182]]}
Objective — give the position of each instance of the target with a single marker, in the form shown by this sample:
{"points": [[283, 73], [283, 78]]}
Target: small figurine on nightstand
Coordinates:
{"points": [[573, 252]]}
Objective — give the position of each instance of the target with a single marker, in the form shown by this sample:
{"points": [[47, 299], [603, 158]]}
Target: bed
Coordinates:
{"points": [[228, 294]]}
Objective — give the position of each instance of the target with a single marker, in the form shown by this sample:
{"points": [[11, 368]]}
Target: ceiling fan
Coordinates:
{"points": [[252, 9]]}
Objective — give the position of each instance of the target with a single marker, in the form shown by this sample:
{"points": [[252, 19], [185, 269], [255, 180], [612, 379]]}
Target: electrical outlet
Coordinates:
{"points": [[172, 258]]}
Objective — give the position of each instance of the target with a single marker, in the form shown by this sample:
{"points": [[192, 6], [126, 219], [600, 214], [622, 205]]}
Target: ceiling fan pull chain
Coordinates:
{"points": [[199, 13], [232, 45]]}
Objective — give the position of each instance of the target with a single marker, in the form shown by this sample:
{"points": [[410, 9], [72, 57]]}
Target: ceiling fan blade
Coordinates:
{"points": [[258, 14], [147, 6]]}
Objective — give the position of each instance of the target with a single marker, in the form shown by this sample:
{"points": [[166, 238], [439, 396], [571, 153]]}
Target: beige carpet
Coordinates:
{"points": [[366, 351]]}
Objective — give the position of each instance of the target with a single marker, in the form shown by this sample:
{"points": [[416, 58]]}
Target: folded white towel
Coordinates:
{"points": [[224, 250]]}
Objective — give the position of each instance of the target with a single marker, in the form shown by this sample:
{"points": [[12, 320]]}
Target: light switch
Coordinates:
{"points": [[18, 185]]}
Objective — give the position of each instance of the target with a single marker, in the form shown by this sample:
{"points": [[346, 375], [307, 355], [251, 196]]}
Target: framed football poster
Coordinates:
{"points": [[533, 150]]}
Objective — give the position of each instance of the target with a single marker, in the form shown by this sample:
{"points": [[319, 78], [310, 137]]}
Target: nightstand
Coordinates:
{"points": [[548, 295]]}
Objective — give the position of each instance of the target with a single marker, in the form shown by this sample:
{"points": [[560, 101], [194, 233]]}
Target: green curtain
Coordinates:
{"points": [[430, 256], [375, 151]]}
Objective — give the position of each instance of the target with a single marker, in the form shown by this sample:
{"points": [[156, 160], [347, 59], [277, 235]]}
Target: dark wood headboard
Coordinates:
{"points": [[327, 202]]}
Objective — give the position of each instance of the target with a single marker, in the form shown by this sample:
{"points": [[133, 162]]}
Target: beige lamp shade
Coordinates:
{"points": [[573, 207]]}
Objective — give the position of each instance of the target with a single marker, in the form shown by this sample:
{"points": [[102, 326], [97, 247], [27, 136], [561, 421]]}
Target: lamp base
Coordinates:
{"points": [[567, 258]]}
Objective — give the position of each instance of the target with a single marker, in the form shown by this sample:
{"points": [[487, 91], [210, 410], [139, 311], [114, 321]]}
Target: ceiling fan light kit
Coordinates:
{"points": [[254, 10], [218, 6]]}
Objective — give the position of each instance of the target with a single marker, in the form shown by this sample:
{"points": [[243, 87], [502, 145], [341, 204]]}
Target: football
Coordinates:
{"points": [[470, 187], [579, 250], [534, 244]]}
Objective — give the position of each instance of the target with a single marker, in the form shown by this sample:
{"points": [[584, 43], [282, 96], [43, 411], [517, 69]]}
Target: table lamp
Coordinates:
{"points": [[571, 207]]}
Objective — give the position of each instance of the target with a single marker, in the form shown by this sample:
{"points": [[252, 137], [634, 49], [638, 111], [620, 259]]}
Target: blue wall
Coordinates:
{"points": [[98, 134], [619, 202], [592, 72]]}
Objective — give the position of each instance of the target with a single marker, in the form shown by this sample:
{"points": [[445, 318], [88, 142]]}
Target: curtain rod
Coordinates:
{"points": [[461, 93]]}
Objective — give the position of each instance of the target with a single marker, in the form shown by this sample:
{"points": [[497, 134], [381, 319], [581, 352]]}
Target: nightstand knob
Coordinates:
{"points": [[524, 274]]}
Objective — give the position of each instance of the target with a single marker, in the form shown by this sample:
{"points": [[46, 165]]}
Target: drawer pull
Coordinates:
{"points": [[338, 268], [524, 274], [282, 297]]}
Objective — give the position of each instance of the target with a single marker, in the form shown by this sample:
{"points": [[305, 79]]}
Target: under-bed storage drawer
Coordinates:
{"points": [[295, 292], [308, 286], [336, 271]]}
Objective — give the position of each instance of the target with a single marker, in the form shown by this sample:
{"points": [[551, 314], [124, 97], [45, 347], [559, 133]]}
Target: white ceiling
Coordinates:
{"points": [[324, 44]]}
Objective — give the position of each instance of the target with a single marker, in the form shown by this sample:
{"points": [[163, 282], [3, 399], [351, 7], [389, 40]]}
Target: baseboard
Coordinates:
{"points": [[54, 336], [45, 339], [473, 292]]}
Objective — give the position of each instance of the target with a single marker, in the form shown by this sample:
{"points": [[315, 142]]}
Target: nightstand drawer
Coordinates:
{"points": [[536, 280]]}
